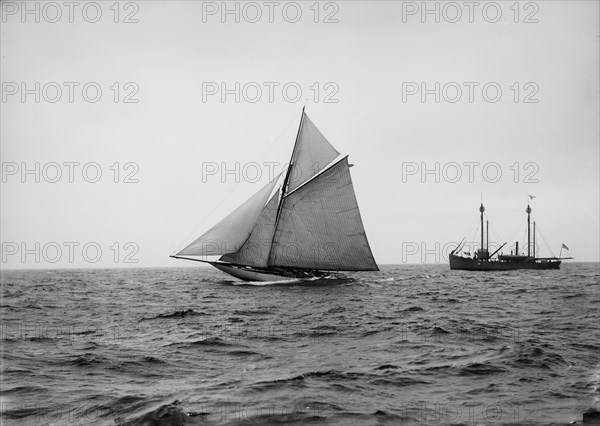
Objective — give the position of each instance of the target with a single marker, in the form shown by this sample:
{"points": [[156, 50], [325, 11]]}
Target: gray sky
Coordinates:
{"points": [[360, 75]]}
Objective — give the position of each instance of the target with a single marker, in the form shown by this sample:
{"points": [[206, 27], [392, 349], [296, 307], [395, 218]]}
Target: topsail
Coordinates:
{"points": [[312, 153]]}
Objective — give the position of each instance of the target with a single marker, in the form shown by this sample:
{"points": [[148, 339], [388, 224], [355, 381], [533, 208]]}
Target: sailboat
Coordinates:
{"points": [[482, 260], [304, 224]]}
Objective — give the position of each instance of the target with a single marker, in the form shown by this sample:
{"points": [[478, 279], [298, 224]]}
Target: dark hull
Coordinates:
{"points": [[469, 264], [248, 273]]}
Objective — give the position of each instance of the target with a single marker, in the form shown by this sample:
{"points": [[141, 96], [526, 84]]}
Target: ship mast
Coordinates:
{"points": [[289, 170], [528, 210], [481, 210], [483, 253], [534, 239]]}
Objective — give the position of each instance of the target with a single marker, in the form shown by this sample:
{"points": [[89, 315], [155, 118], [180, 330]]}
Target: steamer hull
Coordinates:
{"points": [[470, 264]]}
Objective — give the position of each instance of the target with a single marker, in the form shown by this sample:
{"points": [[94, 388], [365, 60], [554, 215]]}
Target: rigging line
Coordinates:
{"points": [[278, 138], [470, 227], [473, 240], [512, 237], [556, 242], [232, 190], [495, 232], [497, 239], [473, 227], [538, 231]]}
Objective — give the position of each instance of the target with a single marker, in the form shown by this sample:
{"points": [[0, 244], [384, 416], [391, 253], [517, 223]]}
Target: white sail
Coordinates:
{"points": [[312, 153], [320, 226], [255, 251], [229, 234]]}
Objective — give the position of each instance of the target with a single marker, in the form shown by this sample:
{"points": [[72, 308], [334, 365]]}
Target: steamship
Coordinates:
{"points": [[482, 260]]}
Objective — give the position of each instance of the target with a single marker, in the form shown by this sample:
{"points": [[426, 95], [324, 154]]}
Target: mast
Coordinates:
{"points": [[534, 239], [487, 235], [483, 253], [528, 210], [481, 210], [289, 170], [284, 186]]}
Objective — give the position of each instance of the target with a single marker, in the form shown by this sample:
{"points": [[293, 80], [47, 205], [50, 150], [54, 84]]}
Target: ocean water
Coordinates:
{"points": [[410, 345]]}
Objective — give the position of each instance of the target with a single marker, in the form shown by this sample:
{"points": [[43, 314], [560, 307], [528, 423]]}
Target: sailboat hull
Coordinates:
{"points": [[249, 274], [469, 264]]}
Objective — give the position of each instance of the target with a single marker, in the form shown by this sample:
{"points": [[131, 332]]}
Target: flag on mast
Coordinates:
{"points": [[531, 197], [565, 247]]}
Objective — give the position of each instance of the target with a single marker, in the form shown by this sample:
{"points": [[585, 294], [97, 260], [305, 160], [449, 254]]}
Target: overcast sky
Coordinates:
{"points": [[517, 90]]}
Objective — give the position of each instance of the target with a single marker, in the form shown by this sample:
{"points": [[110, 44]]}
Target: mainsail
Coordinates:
{"points": [[311, 223], [320, 226]]}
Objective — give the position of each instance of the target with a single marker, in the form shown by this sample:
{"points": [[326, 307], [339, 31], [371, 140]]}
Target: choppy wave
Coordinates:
{"points": [[408, 345]]}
